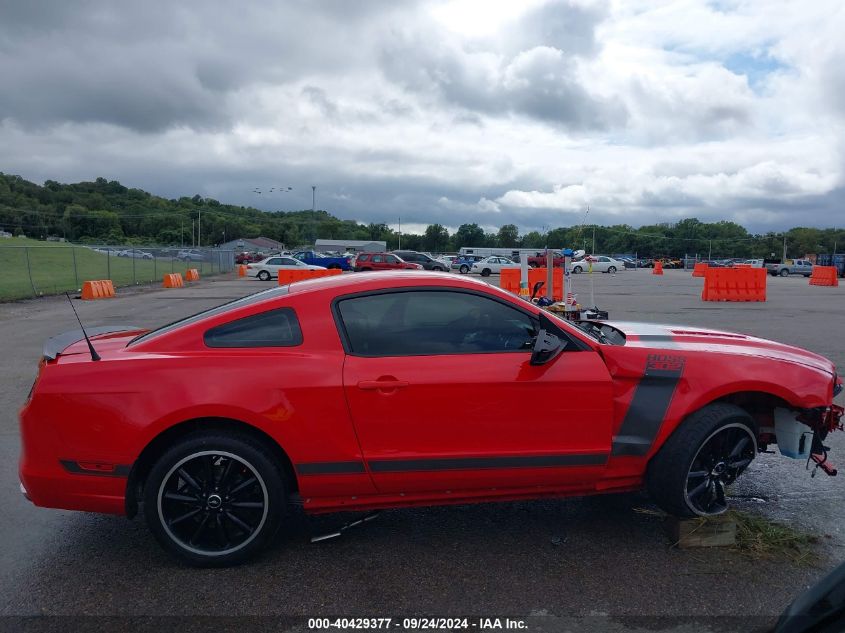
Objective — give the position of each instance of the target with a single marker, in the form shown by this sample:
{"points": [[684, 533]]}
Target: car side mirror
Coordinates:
{"points": [[547, 346]]}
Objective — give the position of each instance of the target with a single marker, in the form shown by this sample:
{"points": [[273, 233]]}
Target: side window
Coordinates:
{"points": [[275, 261], [603, 259], [377, 259], [391, 259], [286, 261], [363, 258], [433, 322], [274, 328]]}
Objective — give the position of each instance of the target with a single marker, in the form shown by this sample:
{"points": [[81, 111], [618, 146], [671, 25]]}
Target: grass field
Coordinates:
{"points": [[57, 267]]}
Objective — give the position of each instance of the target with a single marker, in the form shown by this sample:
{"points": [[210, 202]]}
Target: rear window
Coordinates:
{"points": [[274, 328], [199, 316], [363, 258]]}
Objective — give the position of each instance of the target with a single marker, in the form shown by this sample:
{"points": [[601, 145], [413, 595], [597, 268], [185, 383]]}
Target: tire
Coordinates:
{"points": [[181, 472], [784, 272], [264, 275], [577, 270], [486, 272], [611, 269], [439, 269], [332, 266], [675, 479], [464, 269]]}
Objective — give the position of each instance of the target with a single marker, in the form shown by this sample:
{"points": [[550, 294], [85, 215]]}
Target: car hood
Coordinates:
{"points": [[688, 338]]}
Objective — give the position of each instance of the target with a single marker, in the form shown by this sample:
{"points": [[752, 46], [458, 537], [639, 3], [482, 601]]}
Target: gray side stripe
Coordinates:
{"points": [[330, 468], [472, 463], [645, 415]]}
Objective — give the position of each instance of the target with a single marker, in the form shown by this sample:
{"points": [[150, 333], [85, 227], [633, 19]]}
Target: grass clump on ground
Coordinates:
{"points": [[759, 537]]}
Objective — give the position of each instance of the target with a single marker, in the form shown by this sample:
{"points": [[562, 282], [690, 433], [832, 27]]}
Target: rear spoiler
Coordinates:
{"points": [[55, 345]]}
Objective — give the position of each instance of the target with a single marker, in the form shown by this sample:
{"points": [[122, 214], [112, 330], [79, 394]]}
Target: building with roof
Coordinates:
{"points": [[354, 246], [257, 244]]}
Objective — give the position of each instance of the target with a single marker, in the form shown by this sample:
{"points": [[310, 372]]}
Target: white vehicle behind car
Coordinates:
{"points": [[597, 264], [269, 268], [491, 265]]}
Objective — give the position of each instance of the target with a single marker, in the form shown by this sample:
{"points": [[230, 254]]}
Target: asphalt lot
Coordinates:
{"points": [[598, 558]]}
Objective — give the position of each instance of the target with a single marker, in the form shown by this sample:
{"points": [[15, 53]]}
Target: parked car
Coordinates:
{"points": [[296, 391], [248, 258], [598, 264], [312, 258], [463, 264], [628, 262], [754, 263], [539, 261], [491, 265], [191, 255], [269, 268], [383, 261], [791, 267], [134, 253], [426, 261]]}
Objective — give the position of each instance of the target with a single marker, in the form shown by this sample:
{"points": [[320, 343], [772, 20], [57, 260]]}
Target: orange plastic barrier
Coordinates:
{"points": [[658, 268], [99, 289], [192, 274], [241, 270], [289, 276], [824, 276], [509, 280], [173, 280], [698, 270], [734, 284]]}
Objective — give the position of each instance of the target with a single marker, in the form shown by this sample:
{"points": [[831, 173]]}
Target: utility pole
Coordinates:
{"points": [[182, 231], [594, 240], [710, 250], [313, 198], [199, 228], [193, 233], [783, 261], [400, 235]]}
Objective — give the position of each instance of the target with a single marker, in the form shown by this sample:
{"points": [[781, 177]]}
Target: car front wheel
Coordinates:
{"points": [[611, 269], [784, 273], [485, 272], [689, 475], [214, 499], [464, 269], [577, 270]]}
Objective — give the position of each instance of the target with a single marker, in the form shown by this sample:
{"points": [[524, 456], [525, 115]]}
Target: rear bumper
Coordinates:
{"points": [[46, 482]]}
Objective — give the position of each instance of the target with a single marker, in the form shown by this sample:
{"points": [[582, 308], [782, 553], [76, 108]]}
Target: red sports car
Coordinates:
{"points": [[399, 389]]}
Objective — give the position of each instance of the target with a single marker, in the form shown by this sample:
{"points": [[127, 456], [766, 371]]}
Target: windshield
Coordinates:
{"points": [[237, 303]]}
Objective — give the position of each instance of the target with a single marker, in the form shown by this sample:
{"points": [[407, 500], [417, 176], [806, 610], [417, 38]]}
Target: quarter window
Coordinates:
{"points": [[433, 322], [274, 328]]}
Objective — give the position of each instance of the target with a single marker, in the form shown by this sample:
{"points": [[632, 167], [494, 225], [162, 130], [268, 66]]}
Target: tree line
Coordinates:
{"points": [[106, 212]]}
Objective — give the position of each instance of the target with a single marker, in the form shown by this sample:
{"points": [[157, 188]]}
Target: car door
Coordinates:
{"points": [[272, 266], [391, 262], [377, 262], [443, 395]]}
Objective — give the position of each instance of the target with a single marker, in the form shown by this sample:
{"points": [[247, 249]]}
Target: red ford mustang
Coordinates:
{"points": [[381, 390]]}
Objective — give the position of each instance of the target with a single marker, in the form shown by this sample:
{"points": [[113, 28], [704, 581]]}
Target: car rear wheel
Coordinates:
{"points": [[611, 269], [464, 269], [577, 270], [784, 272], [214, 499], [706, 453], [264, 275]]}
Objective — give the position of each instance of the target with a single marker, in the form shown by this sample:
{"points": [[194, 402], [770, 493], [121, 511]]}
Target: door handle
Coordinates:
{"points": [[372, 385]]}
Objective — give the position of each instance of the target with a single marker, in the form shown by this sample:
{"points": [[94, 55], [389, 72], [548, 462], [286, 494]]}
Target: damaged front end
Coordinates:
{"points": [[822, 420]]}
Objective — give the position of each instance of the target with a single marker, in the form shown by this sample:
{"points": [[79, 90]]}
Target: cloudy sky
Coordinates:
{"points": [[488, 111]]}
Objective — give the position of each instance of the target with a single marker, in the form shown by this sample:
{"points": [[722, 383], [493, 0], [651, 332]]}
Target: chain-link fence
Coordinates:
{"points": [[31, 271]]}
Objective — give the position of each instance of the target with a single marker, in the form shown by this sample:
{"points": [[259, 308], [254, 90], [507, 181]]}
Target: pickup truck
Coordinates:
{"points": [[539, 261], [791, 267], [317, 259]]}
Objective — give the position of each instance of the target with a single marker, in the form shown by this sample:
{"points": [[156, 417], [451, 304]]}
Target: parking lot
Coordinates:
{"points": [[603, 558]]}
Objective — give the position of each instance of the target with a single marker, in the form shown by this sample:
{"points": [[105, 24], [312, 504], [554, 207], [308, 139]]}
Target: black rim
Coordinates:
{"points": [[212, 503], [721, 459]]}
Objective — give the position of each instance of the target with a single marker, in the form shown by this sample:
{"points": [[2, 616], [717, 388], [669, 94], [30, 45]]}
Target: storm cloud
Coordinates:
{"points": [[439, 111]]}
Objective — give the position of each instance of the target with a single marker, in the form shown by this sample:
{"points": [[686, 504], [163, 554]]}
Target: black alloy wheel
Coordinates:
{"points": [[214, 500], [721, 459]]}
